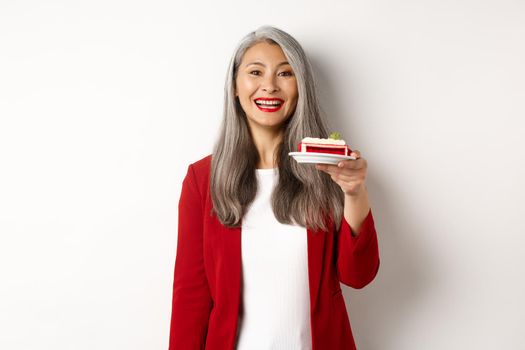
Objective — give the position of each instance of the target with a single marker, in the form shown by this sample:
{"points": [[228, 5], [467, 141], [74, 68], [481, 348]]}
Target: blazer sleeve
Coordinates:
{"points": [[357, 257], [192, 302]]}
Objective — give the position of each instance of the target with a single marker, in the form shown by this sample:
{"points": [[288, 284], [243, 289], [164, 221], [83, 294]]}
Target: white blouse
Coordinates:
{"points": [[275, 305]]}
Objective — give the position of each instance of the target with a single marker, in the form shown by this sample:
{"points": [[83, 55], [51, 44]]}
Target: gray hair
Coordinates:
{"points": [[304, 195]]}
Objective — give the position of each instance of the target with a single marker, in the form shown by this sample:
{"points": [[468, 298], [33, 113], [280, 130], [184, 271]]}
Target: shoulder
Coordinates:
{"points": [[202, 166], [200, 171]]}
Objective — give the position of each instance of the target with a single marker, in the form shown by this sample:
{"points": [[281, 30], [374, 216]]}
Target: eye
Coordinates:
{"points": [[255, 71], [287, 73]]}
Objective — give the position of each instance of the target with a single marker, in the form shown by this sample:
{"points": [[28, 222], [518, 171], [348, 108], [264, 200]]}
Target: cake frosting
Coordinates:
{"points": [[323, 141]]}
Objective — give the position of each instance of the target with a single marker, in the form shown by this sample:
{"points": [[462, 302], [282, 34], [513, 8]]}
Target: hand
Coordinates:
{"points": [[349, 174]]}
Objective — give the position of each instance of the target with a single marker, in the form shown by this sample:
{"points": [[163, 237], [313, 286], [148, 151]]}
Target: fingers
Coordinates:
{"points": [[344, 165], [356, 154], [358, 163]]}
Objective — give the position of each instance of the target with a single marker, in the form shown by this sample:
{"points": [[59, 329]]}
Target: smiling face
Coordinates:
{"points": [[266, 86]]}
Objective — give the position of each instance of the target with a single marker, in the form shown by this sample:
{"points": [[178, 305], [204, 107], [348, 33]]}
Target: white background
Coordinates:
{"points": [[103, 104]]}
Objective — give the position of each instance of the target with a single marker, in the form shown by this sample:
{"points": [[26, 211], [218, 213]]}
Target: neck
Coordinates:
{"points": [[267, 144]]}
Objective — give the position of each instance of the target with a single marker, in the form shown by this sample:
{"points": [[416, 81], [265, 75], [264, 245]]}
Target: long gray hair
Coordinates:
{"points": [[304, 195]]}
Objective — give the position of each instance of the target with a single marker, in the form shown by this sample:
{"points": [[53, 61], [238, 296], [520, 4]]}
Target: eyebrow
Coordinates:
{"points": [[262, 64]]}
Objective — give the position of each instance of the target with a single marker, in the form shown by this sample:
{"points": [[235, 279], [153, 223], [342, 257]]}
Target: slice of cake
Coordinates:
{"points": [[333, 145]]}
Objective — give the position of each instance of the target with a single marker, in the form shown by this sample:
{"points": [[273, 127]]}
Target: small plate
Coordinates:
{"points": [[321, 158]]}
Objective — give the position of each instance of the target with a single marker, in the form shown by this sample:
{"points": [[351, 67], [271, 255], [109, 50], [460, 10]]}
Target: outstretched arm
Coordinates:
{"points": [[356, 239]]}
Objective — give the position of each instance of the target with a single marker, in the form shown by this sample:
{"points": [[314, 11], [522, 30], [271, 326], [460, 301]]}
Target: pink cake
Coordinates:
{"points": [[320, 145]]}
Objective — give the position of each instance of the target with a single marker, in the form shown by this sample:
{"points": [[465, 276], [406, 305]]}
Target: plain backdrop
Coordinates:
{"points": [[104, 104]]}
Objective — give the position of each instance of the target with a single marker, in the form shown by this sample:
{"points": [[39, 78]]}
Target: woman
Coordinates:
{"points": [[305, 228]]}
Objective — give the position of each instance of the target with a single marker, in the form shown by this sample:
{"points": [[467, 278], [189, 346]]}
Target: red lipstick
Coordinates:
{"points": [[269, 107]]}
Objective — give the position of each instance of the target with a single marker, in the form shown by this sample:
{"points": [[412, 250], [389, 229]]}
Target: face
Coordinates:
{"points": [[266, 86]]}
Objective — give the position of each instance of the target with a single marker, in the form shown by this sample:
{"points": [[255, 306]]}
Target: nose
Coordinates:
{"points": [[269, 85]]}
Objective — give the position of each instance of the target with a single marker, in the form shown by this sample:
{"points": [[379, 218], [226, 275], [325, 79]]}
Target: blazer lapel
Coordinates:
{"points": [[230, 257], [316, 250]]}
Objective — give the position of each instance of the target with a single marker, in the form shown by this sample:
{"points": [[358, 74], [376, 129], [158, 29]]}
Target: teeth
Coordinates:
{"points": [[262, 102]]}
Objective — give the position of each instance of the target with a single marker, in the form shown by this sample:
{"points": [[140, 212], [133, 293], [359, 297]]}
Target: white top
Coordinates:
{"points": [[275, 296]]}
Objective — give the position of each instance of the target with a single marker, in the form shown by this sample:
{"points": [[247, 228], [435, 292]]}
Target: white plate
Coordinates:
{"points": [[321, 158]]}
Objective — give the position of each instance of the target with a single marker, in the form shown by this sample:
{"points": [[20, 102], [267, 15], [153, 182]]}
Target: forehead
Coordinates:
{"points": [[264, 53]]}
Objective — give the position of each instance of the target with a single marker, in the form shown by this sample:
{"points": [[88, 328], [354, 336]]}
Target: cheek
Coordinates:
{"points": [[245, 87], [291, 88], [293, 103], [293, 98]]}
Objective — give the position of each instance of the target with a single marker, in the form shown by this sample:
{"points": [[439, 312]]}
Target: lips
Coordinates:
{"points": [[266, 104]]}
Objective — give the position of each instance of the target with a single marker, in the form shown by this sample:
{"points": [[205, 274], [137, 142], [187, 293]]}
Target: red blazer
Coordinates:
{"points": [[207, 274]]}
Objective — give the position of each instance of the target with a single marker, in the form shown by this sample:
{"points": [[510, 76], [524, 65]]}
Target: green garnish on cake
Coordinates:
{"points": [[335, 136]]}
